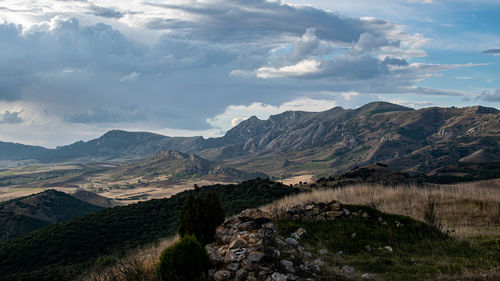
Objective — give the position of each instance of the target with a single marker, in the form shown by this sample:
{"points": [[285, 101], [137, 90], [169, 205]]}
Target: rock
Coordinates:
{"points": [[247, 265], [256, 256], [280, 242], [334, 205], [292, 277], [319, 218], [368, 248], [333, 214], [268, 225], [222, 275], [279, 277], [249, 225], [388, 249], [346, 212], [238, 243], [215, 258], [339, 253], [288, 265], [353, 235], [323, 251], [256, 215], [295, 236], [365, 215], [367, 276], [292, 241], [319, 262], [347, 270], [235, 255], [241, 275], [303, 253], [233, 266], [301, 231], [316, 268]]}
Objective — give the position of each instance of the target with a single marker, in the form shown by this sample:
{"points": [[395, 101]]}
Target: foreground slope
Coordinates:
{"points": [[23, 215], [61, 251]]}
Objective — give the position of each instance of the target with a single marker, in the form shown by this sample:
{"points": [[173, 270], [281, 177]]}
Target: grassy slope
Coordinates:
{"points": [[22, 215], [62, 251], [421, 252]]}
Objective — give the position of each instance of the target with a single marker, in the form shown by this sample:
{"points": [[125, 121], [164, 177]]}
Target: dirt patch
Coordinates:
{"points": [[297, 179]]}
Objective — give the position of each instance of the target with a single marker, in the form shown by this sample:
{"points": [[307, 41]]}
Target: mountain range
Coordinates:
{"points": [[335, 140]]}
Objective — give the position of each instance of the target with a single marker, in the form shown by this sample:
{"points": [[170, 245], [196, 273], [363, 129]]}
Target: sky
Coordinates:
{"points": [[72, 70]]}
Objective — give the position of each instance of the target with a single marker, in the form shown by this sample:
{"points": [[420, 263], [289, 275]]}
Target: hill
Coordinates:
{"points": [[61, 251], [23, 215], [176, 165], [118, 144], [95, 199], [17, 151]]}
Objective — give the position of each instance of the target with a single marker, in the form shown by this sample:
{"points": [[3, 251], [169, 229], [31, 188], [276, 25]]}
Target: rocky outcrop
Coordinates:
{"points": [[247, 246]]}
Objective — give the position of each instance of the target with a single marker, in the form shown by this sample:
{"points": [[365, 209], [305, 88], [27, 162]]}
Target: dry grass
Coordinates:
{"points": [[139, 265], [466, 210]]}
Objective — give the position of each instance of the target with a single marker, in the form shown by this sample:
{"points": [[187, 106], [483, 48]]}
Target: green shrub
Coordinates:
{"points": [[200, 216], [186, 260]]}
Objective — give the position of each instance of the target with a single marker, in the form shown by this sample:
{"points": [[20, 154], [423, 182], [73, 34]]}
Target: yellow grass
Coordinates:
{"points": [[466, 210], [138, 265]]}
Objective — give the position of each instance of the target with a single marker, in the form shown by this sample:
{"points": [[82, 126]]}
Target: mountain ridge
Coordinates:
{"points": [[342, 138]]}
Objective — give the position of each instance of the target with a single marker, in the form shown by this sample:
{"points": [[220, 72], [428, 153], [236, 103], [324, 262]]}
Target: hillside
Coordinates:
{"points": [[95, 199], [16, 151], [174, 165], [118, 144], [61, 251], [23, 215]]}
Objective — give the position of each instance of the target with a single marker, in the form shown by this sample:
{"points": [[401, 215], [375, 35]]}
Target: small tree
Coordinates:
{"points": [[200, 216], [186, 260]]}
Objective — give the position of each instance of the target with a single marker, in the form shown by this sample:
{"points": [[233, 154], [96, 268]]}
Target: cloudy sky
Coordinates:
{"points": [[72, 70]]}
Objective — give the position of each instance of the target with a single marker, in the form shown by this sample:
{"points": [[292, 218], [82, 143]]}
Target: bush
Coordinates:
{"points": [[200, 216], [186, 260]]}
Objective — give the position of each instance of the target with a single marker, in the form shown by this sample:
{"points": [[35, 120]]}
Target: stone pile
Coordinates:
{"points": [[248, 248], [315, 212]]}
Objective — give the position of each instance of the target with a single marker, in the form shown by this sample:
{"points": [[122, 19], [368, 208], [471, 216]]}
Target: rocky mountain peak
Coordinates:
{"points": [[171, 154]]}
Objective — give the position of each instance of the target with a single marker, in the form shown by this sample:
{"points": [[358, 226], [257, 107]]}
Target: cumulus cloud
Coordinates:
{"points": [[490, 96], [131, 77], [305, 67], [8, 117], [234, 114]]}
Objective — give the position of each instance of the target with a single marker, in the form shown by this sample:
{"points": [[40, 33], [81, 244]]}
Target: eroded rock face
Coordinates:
{"points": [[248, 248]]}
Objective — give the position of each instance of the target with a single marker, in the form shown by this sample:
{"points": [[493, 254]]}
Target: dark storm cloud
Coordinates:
{"points": [[105, 12], [492, 51], [100, 115], [250, 19]]}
